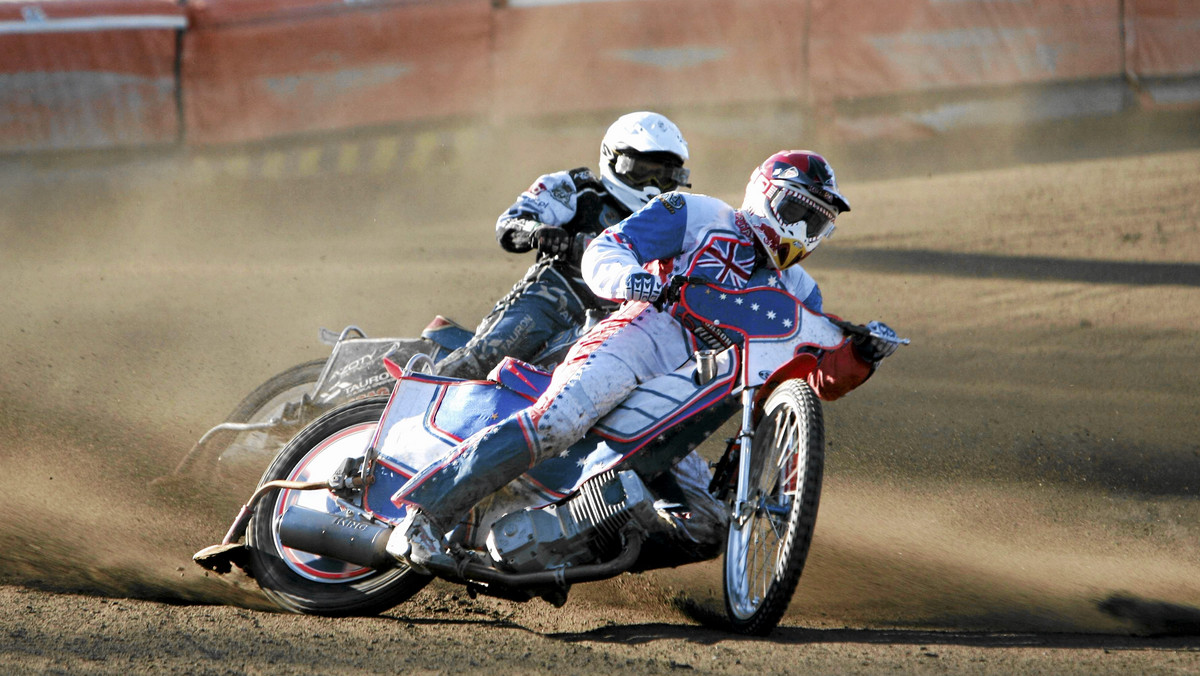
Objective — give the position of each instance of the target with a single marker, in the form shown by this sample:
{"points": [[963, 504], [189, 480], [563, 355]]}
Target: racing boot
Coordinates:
{"points": [[418, 543]]}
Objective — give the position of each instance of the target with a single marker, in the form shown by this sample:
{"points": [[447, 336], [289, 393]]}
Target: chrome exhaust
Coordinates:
{"points": [[336, 536]]}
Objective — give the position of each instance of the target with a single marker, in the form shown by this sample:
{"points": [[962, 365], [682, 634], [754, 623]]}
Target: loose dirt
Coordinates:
{"points": [[1014, 492]]}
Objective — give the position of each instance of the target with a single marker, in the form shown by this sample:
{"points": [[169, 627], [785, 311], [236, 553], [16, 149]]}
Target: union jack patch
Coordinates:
{"points": [[725, 259]]}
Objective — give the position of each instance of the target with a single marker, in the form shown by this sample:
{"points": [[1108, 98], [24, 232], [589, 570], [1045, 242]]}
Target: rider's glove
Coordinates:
{"points": [[642, 286], [552, 240], [877, 346], [516, 235]]}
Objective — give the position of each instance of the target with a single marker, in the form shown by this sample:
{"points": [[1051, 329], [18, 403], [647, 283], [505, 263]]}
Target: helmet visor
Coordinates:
{"points": [[793, 208], [642, 171]]}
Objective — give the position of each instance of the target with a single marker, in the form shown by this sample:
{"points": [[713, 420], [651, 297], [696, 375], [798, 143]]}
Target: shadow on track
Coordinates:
{"points": [[1157, 625], [646, 633], [1028, 268]]}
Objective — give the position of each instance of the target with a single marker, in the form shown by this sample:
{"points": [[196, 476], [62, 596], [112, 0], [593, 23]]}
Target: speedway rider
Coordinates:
{"points": [[791, 203], [641, 156]]}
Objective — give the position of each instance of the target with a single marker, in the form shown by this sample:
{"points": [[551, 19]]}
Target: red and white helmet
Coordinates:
{"points": [[796, 198]]}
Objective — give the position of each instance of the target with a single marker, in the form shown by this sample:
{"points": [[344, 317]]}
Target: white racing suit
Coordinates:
{"points": [[551, 298], [676, 233]]}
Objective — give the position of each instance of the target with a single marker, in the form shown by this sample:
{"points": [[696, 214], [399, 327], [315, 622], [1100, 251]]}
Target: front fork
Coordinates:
{"points": [[745, 439]]}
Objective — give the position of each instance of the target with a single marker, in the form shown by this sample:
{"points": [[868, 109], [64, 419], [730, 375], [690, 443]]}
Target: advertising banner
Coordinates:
{"points": [[904, 69], [869, 48], [255, 69], [88, 74], [1163, 51], [631, 54]]}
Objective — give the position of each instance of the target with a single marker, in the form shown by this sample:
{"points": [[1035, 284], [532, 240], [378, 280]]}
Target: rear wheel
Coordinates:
{"points": [[307, 583], [241, 456], [768, 545]]}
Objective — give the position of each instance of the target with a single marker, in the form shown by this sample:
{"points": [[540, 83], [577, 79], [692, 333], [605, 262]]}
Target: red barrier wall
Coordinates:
{"points": [[1163, 37], [882, 47], [88, 74], [261, 68], [648, 53], [102, 73]]}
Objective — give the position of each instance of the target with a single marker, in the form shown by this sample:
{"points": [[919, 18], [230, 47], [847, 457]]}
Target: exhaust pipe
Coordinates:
{"points": [[632, 538], [335, 536], [365, 544]]}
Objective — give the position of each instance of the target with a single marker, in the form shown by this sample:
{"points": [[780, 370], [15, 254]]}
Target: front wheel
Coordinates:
{"points": [[767, 546], [307, 583]]}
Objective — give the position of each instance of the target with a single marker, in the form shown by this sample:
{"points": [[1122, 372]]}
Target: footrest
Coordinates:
{"points": [[221, 558]]}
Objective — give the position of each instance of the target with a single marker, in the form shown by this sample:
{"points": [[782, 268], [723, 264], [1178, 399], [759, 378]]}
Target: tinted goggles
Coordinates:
{"points": [[642, 171], [792, 207]]}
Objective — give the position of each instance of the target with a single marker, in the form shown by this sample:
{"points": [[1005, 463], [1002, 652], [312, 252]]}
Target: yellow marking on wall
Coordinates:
{"points": [[385, 154], [347, 158], [203, 169], [464, 139], [309, 162], [272, 165], [375, 156], [423, 148], [238, 166]]}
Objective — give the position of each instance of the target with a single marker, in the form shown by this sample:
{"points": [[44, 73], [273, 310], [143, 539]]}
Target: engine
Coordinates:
{"points": [[583, 529]]}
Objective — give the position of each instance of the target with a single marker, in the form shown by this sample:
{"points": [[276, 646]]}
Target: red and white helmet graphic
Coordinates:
{"points": [[795, 195]]}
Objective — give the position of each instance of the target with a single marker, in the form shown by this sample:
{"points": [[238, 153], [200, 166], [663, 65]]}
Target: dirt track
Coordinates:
{"points": [[1017, 491]]}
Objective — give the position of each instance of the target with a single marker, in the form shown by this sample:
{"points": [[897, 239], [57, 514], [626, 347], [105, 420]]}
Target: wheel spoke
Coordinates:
{"points": [[756, 566]]}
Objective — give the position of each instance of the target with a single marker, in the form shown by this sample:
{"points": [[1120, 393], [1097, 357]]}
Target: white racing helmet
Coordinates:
{"points": [[796, 198], [641, 156]]}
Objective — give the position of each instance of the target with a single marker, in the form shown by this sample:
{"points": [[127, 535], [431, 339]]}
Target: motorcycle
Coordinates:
{"points": [[314, 533]]}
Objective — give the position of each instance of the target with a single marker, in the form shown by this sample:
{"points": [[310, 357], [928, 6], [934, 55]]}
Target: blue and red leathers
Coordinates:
{"points": [[676, 233]]}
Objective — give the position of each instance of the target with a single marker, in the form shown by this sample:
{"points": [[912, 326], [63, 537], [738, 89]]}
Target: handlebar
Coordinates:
{"points": [[865, 331], [674, 289], [850, 327], [574, 251]]}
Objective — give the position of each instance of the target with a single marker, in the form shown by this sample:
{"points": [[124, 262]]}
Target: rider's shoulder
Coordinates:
{"points": [[700, 207], [584, 178], [698, 198], [797, 279], [555, 179], [692, 201]]}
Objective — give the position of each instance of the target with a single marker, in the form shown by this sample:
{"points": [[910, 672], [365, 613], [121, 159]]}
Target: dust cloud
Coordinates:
{"points": [[1028, 464]]}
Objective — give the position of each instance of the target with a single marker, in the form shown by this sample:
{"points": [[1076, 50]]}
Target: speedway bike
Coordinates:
{"points": [[314, 534]]}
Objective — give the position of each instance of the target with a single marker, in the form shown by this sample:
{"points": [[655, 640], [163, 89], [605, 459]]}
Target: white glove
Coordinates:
{"points": [[642, 286], [876, 347]]}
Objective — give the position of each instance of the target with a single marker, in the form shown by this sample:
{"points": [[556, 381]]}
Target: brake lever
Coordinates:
{"points": [[673, 291], [849, 327], [860, 330]]}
